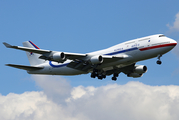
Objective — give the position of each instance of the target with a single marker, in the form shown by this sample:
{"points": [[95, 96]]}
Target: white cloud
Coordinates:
{"points": [[175, 26], [56, 88], [133, 100], [175, 29], [79, 91], [31, 106]]}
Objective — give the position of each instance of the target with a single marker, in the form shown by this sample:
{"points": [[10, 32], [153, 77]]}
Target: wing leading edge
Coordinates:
{"points": [[46, 54], [38, 51]]}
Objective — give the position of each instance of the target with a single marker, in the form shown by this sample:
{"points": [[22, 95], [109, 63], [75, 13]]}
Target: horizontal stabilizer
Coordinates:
{"points": [[24, 67], [7, 45]]}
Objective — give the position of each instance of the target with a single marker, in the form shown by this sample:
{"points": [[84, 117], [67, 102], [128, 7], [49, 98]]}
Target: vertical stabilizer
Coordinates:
{"points": [[33, 57]]}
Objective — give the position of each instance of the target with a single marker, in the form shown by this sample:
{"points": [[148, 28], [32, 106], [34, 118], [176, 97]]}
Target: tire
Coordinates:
{"points": [[159, 62], [114, 78]]}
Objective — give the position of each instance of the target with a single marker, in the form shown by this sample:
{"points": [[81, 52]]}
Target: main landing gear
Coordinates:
{"points": [[102, 75], [159, 62], [95, 74], [115, 75]]}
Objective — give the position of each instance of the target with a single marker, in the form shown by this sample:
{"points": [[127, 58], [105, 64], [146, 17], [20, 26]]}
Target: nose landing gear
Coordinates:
{"points": [[159, 62]]}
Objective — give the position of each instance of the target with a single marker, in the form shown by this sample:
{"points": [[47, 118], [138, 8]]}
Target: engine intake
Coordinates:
{"points": [[96, 59], [140, 69], [58, 57]]}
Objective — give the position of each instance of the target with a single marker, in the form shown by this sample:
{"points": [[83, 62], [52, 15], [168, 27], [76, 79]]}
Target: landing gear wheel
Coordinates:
{"points": [[104, 76], [114, 78], [159, 62], [93, 75], [100, 77]]}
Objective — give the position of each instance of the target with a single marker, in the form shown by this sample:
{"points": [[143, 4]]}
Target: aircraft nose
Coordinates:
{"points": [[173, 42]]}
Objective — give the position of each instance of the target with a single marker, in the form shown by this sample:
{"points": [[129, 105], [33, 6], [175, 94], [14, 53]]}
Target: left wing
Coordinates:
{"points": [[39, 51], [61, 56], [49, 55]]}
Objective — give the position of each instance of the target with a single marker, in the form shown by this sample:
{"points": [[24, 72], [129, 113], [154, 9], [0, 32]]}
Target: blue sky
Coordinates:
{"points": [[81, 27]]}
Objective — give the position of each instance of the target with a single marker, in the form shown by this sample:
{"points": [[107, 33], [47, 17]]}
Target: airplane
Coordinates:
{"points": [[111, 61]]}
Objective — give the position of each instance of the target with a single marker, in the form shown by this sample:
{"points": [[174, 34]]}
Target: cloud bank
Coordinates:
{"points": [[175, 26], [175, 29], [60, 101]]}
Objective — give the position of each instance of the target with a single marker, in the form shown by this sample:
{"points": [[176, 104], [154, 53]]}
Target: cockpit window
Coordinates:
{"points": [[161, 35]]}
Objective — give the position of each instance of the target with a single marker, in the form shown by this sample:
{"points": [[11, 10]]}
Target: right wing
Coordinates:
{"points": [[87, 66]]}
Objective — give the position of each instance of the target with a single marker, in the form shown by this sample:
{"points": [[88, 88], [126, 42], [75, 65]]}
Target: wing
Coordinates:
{"points": [[24, 67], [55, 55], [87, 65], [47, 54], [39, 51], [132, 70], [126, 69]]}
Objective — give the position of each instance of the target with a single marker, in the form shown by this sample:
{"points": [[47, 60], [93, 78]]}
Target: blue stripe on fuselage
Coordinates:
{"points": [[127, 50], [62, 65]]}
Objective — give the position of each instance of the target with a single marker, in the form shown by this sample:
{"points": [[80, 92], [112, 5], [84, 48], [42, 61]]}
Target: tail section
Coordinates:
{"points": [[33, 57]]}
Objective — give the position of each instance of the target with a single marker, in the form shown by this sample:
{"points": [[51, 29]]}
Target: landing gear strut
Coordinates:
{"points": [[159, 62], [115, 75], [94, 73]]}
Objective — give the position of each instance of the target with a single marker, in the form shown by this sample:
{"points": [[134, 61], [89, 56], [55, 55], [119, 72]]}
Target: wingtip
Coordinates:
{"points": [[7, 45], [7, 64]]}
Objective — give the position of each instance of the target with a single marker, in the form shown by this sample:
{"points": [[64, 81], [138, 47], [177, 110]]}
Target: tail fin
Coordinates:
{"points": [[33, 57]]}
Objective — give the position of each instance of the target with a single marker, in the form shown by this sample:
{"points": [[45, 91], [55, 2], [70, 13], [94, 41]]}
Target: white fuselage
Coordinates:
{"points": [[138, 50]]}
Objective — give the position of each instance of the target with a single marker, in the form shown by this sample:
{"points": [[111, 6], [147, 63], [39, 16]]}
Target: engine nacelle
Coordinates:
{"points": [[134, 75], [58, 57], [140, 69], [96, 59]]}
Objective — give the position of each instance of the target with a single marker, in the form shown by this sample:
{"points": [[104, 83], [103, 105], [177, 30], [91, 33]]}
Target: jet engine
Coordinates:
{"points": [[96, 59], [58, 57], [140, 69], [134, 75]]}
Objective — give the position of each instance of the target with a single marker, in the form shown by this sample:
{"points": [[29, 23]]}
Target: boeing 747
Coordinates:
{"points": [[111, 61]]}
